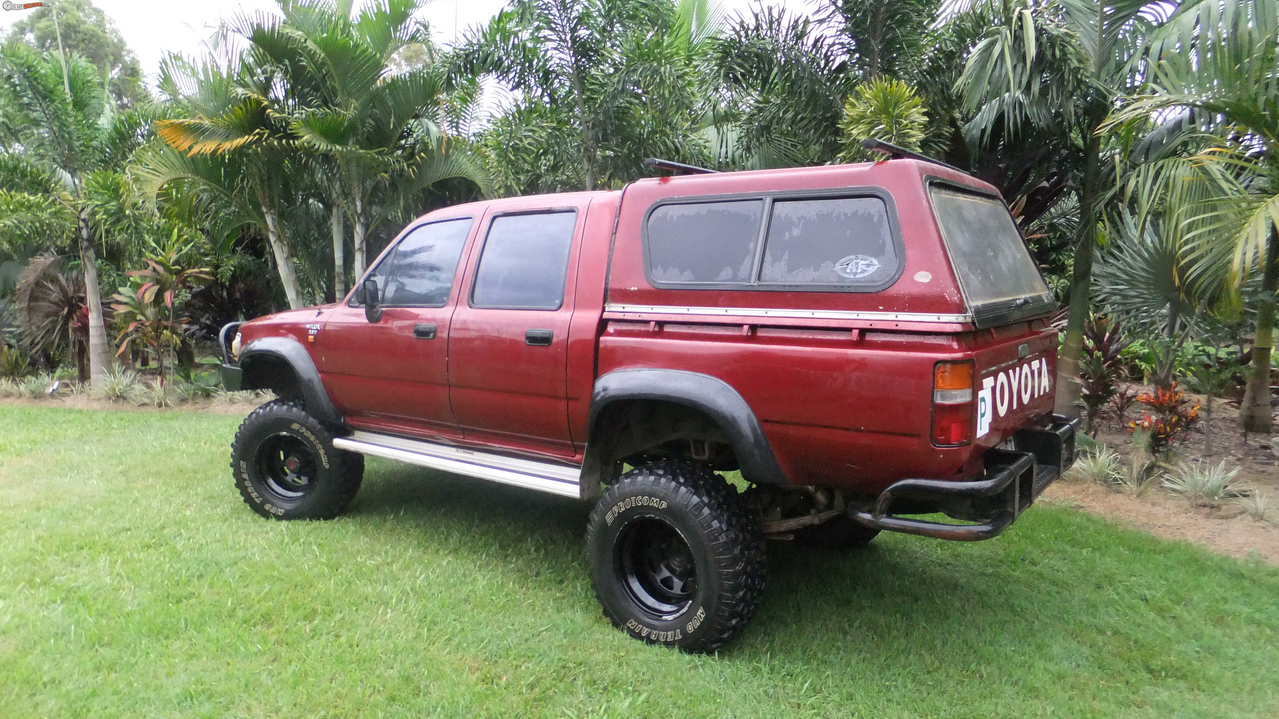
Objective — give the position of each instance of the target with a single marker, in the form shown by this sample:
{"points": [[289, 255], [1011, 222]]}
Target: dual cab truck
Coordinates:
{"points": [[864, 344]]}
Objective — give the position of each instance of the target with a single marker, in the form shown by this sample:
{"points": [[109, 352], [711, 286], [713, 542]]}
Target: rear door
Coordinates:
{"points": [[508, 342]]}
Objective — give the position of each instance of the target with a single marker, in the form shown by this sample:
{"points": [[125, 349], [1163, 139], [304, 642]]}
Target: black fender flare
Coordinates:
{"points": [[711, 395], [299, 360]]}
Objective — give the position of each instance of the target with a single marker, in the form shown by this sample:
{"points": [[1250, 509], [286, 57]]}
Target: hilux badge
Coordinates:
{"points": [[855, 267]]}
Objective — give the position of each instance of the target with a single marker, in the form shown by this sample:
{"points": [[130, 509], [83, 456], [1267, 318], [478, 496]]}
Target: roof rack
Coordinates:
{"points": [[678, 168], [898, 153]]}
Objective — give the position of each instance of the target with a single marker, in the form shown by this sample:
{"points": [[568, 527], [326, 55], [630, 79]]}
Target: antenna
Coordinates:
{"points": [[898, 153], [678, 168]]}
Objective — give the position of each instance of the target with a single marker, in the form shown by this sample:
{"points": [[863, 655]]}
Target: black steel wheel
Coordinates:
{"points": [[286, 467], [675, 559], [656, 567]]}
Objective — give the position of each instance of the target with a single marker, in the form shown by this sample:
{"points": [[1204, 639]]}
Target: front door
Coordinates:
{"points": [[392, 375], [508, 342]]}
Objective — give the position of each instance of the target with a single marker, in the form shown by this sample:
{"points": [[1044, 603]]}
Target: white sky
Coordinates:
{"points": [[154, 27]]}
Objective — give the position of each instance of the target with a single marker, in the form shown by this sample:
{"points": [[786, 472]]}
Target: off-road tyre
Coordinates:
{"points": [[286, 467], [675, 559], [835, 535]]}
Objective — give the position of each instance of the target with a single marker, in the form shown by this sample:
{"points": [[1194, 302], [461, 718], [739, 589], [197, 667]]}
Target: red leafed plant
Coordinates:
{"points": [[1169, 419]]}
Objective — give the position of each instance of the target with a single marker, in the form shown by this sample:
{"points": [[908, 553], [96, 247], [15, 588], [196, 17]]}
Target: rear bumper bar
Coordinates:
{"points": [[1013, 480]]}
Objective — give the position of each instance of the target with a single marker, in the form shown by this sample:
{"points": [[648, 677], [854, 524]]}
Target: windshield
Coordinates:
{"points": [[990, 258]]}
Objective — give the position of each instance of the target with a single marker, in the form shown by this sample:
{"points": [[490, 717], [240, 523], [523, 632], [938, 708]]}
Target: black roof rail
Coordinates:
{"points": [[898, 153], [678, 168]]}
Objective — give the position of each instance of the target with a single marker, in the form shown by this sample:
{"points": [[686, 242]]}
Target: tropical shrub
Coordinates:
{"points": [[1169, 419], [119, 385], [1100, 367], [1204, 483], [151, 307], [1257, 504], [1098, 467], [13, 363]]}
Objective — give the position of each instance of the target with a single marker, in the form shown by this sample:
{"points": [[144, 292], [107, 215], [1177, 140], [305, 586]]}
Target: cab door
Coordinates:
{"points": [[392, 375], [508, 342]]}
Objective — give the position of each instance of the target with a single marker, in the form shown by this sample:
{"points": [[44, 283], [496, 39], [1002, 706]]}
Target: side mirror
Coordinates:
{"points": [[372, 310]]}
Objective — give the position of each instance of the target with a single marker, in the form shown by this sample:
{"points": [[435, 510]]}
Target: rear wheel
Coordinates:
{"points": [[286, 467], [674, 559]]}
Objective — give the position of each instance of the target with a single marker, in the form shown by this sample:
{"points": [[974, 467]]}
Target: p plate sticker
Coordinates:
{"points": [[855, 267]]}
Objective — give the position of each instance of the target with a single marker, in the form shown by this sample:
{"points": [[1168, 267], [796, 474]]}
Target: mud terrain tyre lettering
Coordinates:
{"points": [[675, 559], [285, 466]]}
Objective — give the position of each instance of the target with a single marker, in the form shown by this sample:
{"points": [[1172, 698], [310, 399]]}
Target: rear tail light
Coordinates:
{"points": [[952, 403]]}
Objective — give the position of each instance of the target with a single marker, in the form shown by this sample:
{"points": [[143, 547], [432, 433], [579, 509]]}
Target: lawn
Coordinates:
{"points": [[134, 582]]}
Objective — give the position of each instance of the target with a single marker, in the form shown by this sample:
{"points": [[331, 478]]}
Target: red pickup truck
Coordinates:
{"points": [[714, 359]]}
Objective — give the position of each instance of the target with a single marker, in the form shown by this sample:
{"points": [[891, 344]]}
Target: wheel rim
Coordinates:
{"points": [[656, 566], [287, 466]]}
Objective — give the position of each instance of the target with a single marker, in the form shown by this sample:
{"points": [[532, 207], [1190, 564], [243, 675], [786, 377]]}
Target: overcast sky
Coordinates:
{"points": [[154, 27]]}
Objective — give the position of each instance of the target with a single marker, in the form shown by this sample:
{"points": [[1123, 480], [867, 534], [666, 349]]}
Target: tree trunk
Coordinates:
{"points": [[1080, 283], [339, 252], [588, 151], [360, 228], [1254, 413], [99, 347], [283, 258], [1163, 378]]}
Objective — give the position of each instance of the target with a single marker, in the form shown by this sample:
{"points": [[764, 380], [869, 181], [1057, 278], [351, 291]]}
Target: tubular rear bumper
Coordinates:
{"points": [[1013, 479]]}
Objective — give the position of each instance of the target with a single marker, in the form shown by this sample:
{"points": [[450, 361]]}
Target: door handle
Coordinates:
{"points": [[538, 338], [424, 331]]}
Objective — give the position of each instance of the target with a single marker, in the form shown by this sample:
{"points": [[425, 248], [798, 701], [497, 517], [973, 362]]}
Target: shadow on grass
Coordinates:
{"points": [[1039, 603]]}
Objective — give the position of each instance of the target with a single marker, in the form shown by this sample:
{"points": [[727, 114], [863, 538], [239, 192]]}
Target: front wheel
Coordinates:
{"points": [[674, 560], [286, 467]]}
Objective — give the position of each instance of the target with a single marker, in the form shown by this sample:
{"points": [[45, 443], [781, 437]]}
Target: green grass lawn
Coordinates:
{"points": [[134, 582]]}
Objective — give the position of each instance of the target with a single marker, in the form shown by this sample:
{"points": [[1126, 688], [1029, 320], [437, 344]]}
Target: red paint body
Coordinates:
{"points": [[843, 402]]}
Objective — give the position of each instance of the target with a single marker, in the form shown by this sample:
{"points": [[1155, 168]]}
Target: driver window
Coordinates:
{"points": [[419, 272]]}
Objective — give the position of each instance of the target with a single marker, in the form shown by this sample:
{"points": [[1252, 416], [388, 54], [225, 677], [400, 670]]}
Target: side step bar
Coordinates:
{"points": [[542, 476]]}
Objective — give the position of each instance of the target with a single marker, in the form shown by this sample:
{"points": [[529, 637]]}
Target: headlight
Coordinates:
{"points": [[235, 348]]}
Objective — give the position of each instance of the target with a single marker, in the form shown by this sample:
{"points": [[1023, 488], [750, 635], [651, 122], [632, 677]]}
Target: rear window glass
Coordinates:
{"points": [[525, 262], [845, 241], [707, 242], [988, 253]]}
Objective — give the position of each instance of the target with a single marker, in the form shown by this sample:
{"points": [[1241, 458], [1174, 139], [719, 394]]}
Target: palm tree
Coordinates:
{"points": [[67, 128], [375, 123], [608, 81], [782, 84], [1220, 58], [229, 116], [1059, 68]]}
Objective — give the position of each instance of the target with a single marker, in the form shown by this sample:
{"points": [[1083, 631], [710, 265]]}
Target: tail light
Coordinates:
{"points": [[952, 403]]}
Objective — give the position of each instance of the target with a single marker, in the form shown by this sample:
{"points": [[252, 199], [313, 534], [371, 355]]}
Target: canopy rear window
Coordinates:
{"points": [[774, 243], [999, 277]]}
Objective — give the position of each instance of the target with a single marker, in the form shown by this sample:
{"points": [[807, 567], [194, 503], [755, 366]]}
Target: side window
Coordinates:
{"points": [[525, 261], [704, 242], [420, 271], [819, 243], [845, 241]]}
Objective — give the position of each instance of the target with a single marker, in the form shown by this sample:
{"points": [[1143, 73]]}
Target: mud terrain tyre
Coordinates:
{"points": [[674, 558], [286, 467], [838, 534]]}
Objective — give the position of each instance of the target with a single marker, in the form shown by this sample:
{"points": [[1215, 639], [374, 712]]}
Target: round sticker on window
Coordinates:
{"points": [[855, 267]]}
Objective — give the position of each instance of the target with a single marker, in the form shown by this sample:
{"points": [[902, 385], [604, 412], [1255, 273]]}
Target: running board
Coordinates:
{"points": [[542, 476]]}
